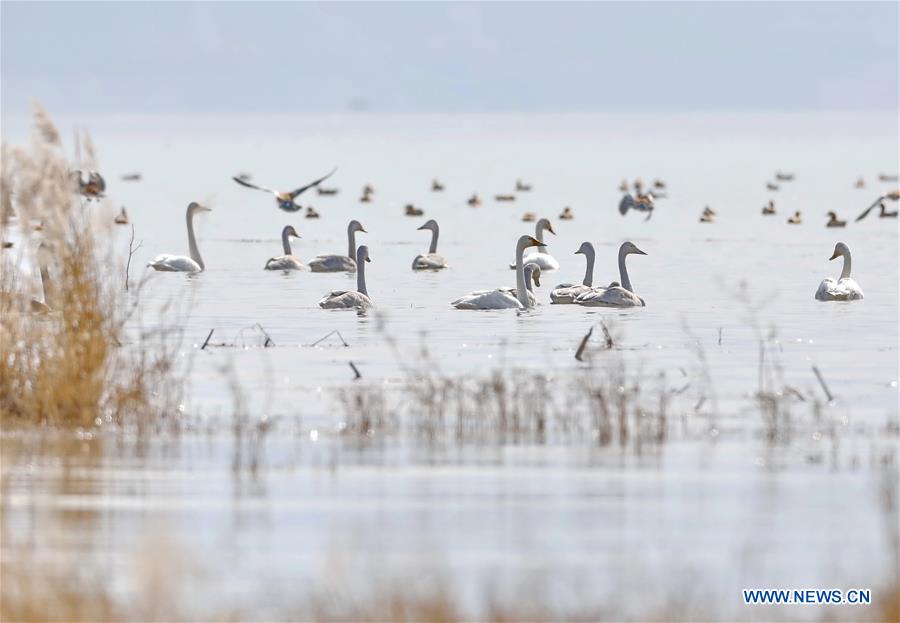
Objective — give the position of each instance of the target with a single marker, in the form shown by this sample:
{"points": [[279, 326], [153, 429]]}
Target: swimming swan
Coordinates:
{"points": [[180, 263], [339, 263], [343, 299], [501, 298], [844, 289], [540, 255], [615, 295], [567, 292], [430, 260], [288, 261]]}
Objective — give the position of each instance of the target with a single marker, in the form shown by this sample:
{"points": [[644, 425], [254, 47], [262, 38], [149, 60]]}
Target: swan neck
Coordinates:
{"points": [[623, 272], [351, 242], [434, 239], [286, 242], [361, 275], [539, 234], [589, 269], [845, 272], [520, 276], [192, 241]]}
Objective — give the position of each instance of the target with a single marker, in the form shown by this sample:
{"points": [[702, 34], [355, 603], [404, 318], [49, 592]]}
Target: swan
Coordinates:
{"points": [[532, 275], [285, 200], [339, 263], [352, 299], [180, 263], [430, 260], [567, 292], [540, 256], [288, 261], [844, 289], [501, 298], [615, 295]]}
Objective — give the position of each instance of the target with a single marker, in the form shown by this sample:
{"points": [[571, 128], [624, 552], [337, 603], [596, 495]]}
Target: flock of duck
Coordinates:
{"points": [[531, 259]]}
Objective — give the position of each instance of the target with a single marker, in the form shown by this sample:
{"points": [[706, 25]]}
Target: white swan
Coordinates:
{"points": [[344, 299], [844, 289], [288, 261], [540, 255], [501, 298], [567, 292], [430, 260], [180, 263], [339, 263], [532, 275], [615, 295]]}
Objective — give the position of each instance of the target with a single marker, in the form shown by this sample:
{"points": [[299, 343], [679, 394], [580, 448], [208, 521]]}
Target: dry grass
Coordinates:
{"points": [[66, 365]]}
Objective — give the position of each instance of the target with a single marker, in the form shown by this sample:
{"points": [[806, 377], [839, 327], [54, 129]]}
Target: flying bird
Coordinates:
{"points": [[286, 201]]}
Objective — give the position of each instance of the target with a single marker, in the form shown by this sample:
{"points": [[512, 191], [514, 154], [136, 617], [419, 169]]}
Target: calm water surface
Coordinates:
{"points": [[699, 517]]}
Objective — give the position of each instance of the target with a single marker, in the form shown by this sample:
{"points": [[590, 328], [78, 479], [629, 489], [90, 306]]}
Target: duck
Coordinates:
{"points": [[784, 177], [834, 222], [436, 186], [522, 187], [796, 219], [567, 214], [860, 183], [121, 218], [411, 210], [529, 217], [339, 263], [367, 193], [504, 197], [772, 186], [885, 177], [640, 203], [311, 212], [769, 209], [623, 186], [131, 177], [615, 295], [92, 186], [320, 190], [894, 195], [501, 298], [181, 263], [285, 200], [352, 299], [288, 261], [707, 216], [474, 200], [540, 255], [430, 260], [845, 288], [566, 293]]}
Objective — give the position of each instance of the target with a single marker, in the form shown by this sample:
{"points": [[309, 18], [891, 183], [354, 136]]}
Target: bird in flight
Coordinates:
{"points": [[286, 200], [894, 195]]}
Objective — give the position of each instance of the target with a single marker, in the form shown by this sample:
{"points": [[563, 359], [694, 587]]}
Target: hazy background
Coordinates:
{"points": [[389, 57]]}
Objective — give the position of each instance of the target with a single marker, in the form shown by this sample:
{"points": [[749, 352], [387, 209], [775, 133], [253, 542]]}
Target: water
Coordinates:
{"points": [[720, 515]]}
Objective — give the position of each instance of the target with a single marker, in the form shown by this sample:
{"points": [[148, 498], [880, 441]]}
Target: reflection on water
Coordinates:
{"points": [[321, 493]]}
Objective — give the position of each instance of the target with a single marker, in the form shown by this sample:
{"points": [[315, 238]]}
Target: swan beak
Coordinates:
{"points": [[205, 209], [363, 230], [550, 229], [578, 251], [834, 255], [368, 259], [639, 252], [422, 227], [535, 242]]}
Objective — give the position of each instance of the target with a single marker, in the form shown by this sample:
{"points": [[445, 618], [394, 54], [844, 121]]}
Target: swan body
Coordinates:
{"points": [[844, 289], [288, 261], [566, 293], [615, 295], [540, 256], [350, 299], [339, 263], [181, 263], [430, 260], [502, 298]]}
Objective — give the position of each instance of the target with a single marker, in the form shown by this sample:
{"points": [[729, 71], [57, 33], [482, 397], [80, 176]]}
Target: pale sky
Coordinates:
{"points": [[244, 57]]}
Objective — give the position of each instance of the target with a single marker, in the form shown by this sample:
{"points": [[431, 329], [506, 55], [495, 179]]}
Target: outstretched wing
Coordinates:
{"points": [[627, 202], [870, 208], [254, 186], [300, 190]]}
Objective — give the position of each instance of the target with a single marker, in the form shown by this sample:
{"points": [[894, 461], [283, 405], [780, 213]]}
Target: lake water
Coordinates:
{"points": [[698, 519]]}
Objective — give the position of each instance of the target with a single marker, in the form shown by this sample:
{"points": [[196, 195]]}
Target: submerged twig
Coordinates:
{"points": [[269, 341], [584, 341], [131, 251], [607, 336], [355, 371], [335, 332], [822, 383], [206, 341]]}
